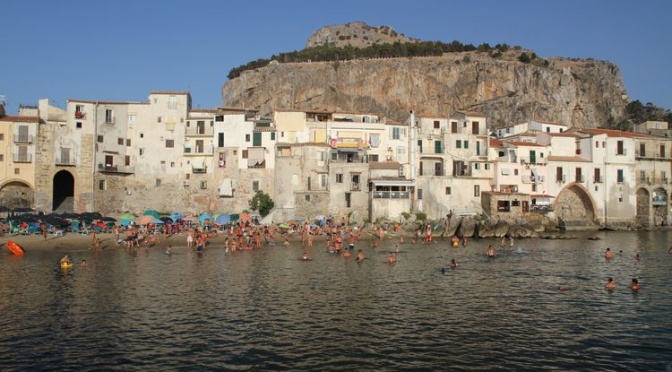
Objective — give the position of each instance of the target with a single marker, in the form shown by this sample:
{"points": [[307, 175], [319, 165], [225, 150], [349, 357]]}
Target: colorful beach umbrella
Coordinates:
{"points": [[144, 220], [151, 212], [222, 219], [205, 216]]}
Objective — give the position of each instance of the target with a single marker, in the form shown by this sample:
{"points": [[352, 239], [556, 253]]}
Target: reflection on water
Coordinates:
{"points": [[269, 310]]}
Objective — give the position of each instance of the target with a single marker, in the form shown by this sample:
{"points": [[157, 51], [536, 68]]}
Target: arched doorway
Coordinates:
{"points": [[64, 192], [16, 194], [574, 206], [643, 208]]}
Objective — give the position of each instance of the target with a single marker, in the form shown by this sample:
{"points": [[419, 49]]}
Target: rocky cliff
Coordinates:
{"points": [[581, 93]]}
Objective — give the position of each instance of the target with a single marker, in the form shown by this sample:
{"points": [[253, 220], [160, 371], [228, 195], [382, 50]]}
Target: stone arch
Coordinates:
{"points": [[643, 208], [574, 204], [64, 192], [17, 194]]}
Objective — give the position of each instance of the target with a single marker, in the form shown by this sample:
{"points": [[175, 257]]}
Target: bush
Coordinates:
{"points": [[420, 216], [261, 202]]}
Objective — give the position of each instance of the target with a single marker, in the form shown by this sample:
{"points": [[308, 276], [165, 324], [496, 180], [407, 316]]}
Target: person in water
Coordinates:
{"points": [[454, 264], [83, 264], [491, 251], [608, 254], [634, 285], [610, 284], [347, 253], [305, 256], [169, 250], [65, 260], [637, 256], [360, 255], [392, 259]]}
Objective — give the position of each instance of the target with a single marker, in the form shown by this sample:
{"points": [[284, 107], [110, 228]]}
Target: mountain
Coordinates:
{"points": [[508, 86]]}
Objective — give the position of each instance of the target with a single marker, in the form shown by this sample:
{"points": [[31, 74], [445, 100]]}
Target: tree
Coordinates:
{"points": [[523, 57], [262, 203]]}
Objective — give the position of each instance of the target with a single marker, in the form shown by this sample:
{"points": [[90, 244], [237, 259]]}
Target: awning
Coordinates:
{"points": [[348, 149], [226, 187], [374, 140], [505, 171], [255, 156]]}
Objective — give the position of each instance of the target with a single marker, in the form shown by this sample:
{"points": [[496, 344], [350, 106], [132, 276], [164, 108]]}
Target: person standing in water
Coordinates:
{"points": [[610, 284], [491, 251]]}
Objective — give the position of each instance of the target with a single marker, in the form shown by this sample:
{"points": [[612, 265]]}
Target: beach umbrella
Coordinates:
{"points": [[245, 217], [166, 219], [127, 216], [151, 212], [205, 216], [157, 221], [175, 216], [222, 219], [108, 219], [143, 220]]}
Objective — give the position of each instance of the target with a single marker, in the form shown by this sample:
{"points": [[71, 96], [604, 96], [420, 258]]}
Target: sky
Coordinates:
{"points": [[122, 50]]}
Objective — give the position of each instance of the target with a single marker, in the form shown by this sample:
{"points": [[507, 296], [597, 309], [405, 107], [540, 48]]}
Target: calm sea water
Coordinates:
{"points": [[268, 310]]}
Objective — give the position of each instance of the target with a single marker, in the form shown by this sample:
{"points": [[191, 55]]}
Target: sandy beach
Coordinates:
{"points": [[76, 242]]}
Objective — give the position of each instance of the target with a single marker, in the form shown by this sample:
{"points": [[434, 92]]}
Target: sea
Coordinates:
{"points": [[538, 305]]}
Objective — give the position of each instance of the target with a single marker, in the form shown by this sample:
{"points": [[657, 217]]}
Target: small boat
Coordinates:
{"points": [[15, 248]]}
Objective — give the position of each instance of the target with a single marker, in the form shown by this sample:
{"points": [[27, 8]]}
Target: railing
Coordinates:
{"points": [[199, 150], [196, 131], [65, 161], [598, 179], [434, 172], [22, 158], [463, 173], [659, 200], [23, 138], [116, 168], [355, 186], [579, 178], [391, 194]]}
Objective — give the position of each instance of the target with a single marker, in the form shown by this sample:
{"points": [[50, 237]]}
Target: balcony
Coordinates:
{"points": [[433, 172], [355, 186], [391, 194], [23, 138], [598, 179], [462, 173], [80, 114], [109, 168], [199, 150], [65, 161], [579, 178], [22, 158], [199, 131]]}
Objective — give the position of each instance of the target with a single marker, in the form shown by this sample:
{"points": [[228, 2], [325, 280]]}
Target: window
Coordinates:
{"points": [[128, 142], [109, 116], [78, 125], [662, 151], [158, 119], [247, 138], [466, 144], [244, 154], [355, 182], [204, 185], [172, 164], [397, 132], [458, 144], [172, 102], [619, 148], [515, 172], [448, 190], [558, 174], [170, 143], [131, 118], [619, 176], [17, 171], [272, 136], [487, 166], [548, 129], [453, 127], [307, 198], [219, 118], [596, 175], [597, 144], [437, 124], [102, 185], [120, 141], [220, 139], [438, 148], [477, 166], [127, 160], [157, 183], [477, 191], [142, 135], [323, 181], [255, 186], [256, 139], [339, 178], [420, 146], [2, 157], [642, 149], [100, 138], [347, 199], [419, 194]]}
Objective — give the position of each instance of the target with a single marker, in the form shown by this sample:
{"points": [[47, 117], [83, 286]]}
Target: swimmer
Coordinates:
{"points": [[396, 248], [610, 284], [564, 288], [286, 242], [637, 256], [608, 254], [65, 260], [620, 253], [491, 251], [374, 244], [634, 285], [169, 250], [305, 256], [454, 264], [360, 255], [346, 254], [391, 259], [83, 264]]}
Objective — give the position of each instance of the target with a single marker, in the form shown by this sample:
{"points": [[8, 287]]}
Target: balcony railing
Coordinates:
{"points": [[598, 179], [199, 150], [579, 178], [355, 186], [65, 161], [22, 158], [116, 168], [433, 172], [196, 131], [391, 194], [26, 138]]}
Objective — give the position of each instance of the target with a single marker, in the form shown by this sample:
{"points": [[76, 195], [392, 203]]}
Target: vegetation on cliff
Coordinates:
{"points": [[636, 113], [330, 52]]}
